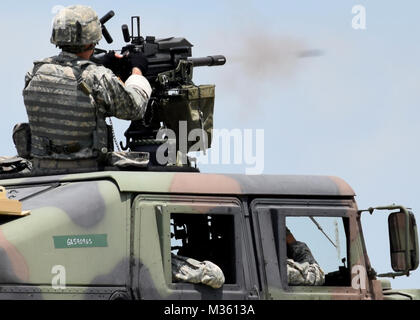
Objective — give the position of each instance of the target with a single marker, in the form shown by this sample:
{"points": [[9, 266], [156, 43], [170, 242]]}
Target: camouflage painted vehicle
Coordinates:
{"points": [[113, 233], [110, 234]]}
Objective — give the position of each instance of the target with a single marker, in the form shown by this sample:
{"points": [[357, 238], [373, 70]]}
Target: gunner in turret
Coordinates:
{"points": [[67, 97]]}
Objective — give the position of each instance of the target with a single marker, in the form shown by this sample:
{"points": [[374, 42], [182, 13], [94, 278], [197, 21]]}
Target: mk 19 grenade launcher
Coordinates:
{"points": [[174, 97]]}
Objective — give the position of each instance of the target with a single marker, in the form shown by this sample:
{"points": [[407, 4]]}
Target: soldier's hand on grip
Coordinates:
{"points": [[111, 60], [138, 60]]}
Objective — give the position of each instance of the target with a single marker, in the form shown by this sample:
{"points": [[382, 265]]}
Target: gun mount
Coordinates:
{"points": [[170, 73]]}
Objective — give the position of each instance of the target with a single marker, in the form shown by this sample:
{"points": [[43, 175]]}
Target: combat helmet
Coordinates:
{"points": [[76, 26]]}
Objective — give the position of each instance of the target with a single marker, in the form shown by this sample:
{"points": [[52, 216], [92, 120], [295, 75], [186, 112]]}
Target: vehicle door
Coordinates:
{"points": [[202, 228], [329, 228]]}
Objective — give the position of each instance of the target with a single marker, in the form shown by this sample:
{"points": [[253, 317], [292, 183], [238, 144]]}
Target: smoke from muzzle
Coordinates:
{"points": [[264, 56], [256, 62]]}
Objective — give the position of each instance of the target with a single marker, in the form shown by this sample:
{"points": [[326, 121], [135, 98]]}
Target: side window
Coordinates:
{"points": [[206, 237], [317, 251]]}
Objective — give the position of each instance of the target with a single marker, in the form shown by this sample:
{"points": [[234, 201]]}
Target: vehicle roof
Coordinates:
{"points": [[205, 183]]}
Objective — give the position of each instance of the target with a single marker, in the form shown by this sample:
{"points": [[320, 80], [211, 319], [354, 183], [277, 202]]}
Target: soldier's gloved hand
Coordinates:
{"points": [[138, 60], [112, 60]]}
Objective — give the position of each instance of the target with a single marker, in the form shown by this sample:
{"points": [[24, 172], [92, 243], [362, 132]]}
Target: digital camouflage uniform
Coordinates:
{"points": [[190, 270], [68, 98], [61, 114], [302, 268]]}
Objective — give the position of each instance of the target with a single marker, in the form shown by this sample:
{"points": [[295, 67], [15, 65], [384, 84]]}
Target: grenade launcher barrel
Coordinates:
{"points": [[208, 61]]}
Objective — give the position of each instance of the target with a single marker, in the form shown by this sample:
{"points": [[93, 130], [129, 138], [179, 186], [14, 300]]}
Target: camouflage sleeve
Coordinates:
{"points": [[304, 274], [190, 270], [300, 252], [126, 102]]}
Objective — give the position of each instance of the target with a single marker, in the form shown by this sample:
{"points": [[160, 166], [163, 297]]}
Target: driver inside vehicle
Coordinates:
{"points": [[302, 268]]}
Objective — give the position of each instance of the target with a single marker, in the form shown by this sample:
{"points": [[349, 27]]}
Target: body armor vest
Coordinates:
{"points": [[64, 120]]}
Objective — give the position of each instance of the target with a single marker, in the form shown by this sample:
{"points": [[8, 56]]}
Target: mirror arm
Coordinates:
{"points": [[393, 274]]}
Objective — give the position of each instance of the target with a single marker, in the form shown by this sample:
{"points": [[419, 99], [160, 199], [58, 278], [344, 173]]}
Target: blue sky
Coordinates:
{"points": [[352, 112]]}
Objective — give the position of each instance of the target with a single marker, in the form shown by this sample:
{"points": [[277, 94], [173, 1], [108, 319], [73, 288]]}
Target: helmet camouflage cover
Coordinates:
{"points": [[76, 26]]}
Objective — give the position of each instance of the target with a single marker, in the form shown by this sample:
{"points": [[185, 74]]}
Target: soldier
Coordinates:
{"points": [[302, 268], [67, 97]]}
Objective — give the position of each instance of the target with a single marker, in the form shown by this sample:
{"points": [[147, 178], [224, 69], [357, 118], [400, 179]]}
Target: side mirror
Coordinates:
{"points": [[403, 241]]}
